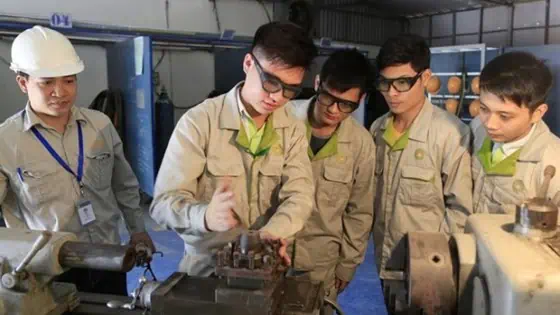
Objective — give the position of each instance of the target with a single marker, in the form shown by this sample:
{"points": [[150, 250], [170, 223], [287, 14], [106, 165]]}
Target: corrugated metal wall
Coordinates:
{"points": [[358, 24], [524, 24], [353, 27]]}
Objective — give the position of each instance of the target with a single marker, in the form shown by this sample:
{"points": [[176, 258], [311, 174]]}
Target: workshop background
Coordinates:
{"points": [[195, 46]]}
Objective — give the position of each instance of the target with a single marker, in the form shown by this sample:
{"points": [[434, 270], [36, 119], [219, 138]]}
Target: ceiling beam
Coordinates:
{"points": [[344, 5], [499, 2], [371, 15]]}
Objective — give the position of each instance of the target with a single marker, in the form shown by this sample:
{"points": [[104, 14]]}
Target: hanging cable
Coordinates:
{"points": [[215, 9], [265, 10], [160, 59], [167, 13]]}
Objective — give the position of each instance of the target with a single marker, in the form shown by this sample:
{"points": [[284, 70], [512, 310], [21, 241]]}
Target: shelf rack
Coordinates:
{"points": [[464, 73]]}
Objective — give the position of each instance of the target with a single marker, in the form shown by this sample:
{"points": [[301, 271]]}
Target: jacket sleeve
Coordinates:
{"points": [[174, 205], [457, 181], [296, 192], [125, 186], [11, 219], [358, 216]]}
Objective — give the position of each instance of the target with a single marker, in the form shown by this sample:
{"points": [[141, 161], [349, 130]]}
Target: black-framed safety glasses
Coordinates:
{"points": [[327, 99], [272, 84], [400, 84]]}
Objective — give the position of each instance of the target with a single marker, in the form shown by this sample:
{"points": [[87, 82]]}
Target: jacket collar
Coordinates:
{"points": [[533, 150], [30, 118], [230, 117], [343, 131], [418, 131]]}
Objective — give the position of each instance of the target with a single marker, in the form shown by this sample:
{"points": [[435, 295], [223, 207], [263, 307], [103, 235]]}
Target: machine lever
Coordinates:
{"points": [[41, 241], [13, 280], [549, 173], [132, 305]]}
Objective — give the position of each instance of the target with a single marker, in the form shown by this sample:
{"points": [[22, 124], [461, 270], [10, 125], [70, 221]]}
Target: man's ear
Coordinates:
{"points": [[538, 113], [22, 83], [317, 82], [426, 77], [247, 63]]}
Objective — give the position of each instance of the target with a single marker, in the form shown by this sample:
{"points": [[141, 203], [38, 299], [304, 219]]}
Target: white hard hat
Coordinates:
{"points": [[44, 53]]}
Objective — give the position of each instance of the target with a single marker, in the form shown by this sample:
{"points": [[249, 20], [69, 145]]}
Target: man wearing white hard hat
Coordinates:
{"points": [[62, 167]]}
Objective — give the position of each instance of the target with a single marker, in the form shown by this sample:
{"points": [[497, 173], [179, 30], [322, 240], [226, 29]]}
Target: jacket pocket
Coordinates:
{"points": [[99, 169], [217, 171], [270, 181], [335, 186], [418, 189], [39, 183]]}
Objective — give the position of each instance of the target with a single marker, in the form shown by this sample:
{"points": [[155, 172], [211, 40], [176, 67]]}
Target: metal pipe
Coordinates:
{"points": [[511, 25], [431, 29], [17, 23], [481, 25], [13, 25], [454, 29], [547, 23], [97, 256]]}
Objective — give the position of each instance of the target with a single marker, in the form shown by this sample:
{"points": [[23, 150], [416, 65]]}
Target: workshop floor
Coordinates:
{"points": [[363, 296]]}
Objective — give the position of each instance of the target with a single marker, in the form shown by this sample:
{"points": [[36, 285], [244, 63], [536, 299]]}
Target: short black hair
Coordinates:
{"points": [[519, 77], [214, 93], [23, 74], [404, 49], [284, 43], [346, 69]]}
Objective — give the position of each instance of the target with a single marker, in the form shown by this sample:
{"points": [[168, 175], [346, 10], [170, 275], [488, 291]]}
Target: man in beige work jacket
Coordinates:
{"points": [[62, 167], [333, 242], [512, 145], [239, 160], [423, 176]]}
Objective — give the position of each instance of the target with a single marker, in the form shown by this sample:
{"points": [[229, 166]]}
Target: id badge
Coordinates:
{"points": [[85, 212]]}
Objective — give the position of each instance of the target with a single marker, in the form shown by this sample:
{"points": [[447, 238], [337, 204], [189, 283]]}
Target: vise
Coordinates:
{"points": [[29, 261], [249, 279]]}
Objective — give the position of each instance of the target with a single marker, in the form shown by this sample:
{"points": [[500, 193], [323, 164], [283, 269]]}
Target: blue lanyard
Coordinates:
{"points": [[59, 159]]}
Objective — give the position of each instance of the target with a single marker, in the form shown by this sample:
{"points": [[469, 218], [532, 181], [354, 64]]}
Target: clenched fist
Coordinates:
{"points": [[220, 216]]}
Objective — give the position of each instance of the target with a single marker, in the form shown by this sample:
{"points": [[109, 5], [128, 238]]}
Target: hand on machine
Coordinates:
{"points": [[249, 279], [145, 249]]}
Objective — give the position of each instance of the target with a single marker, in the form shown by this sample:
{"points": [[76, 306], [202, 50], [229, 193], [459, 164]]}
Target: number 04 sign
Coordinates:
{"points": [[61, 20]]}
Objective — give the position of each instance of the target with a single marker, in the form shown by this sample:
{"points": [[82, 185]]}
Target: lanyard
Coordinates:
{"points": [[60, 160]]}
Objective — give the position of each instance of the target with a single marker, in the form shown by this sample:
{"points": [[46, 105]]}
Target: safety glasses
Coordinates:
{"points": [[327, 99], [400, 84], [272, 84]]}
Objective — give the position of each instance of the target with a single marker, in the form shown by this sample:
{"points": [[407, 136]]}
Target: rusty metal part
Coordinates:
{"points": [[250, 262], [431, 282], [181, 294], [536, 218], [98, 256]]}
